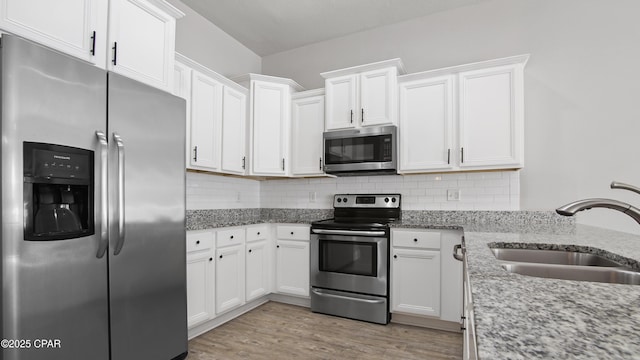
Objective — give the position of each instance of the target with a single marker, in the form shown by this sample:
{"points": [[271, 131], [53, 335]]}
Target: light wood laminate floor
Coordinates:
{"points": [[280, 331]]}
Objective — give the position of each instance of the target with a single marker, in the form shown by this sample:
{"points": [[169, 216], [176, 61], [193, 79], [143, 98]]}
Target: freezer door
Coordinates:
{"points": [[147, 262], [51, 289]]}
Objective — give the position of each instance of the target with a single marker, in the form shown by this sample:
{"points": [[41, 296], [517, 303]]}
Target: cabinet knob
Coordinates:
{"points": [[416, 240], [231, 236], [249, 250], [258, 232], [210, 259], [198, 242], [395, 256], [220, 256], [278, 246], [292, 233]]}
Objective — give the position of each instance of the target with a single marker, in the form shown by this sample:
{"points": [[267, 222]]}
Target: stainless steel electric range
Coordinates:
{"points": [[349, 257]]}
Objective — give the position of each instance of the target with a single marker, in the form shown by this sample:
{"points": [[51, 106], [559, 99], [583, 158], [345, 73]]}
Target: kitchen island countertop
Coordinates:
{"points": [[523, 317]]}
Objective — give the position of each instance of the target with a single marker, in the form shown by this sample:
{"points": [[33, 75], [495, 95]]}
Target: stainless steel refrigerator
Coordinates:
{"points": [[93, 211]]}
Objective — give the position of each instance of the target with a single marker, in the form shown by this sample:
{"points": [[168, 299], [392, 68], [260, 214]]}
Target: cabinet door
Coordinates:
{"points": [[206, 115], [491, 118], [308, 124], [234, 118], [342, 102], [415, 282], [378, 103], [271, 112], [75, 27], [292, 267], [229, 278], [257, 265], [182, 88], [142, 42], [200, 287], [426, 124]]}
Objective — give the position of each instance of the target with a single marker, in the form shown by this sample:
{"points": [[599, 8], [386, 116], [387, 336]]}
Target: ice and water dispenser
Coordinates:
{"points": [[58, 192]]}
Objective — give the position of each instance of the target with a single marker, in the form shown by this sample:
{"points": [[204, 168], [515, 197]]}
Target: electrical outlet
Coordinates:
{"points": [[453, 195], [312, 196]]}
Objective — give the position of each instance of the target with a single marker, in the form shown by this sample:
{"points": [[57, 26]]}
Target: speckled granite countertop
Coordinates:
{"points": [[522, 317]]}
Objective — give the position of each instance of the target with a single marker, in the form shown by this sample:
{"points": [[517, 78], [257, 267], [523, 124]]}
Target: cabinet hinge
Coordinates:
{"points": [[282, 164], [243, 162]]}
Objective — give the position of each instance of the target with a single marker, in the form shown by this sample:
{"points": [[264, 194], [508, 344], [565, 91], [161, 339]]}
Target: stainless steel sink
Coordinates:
{"points": [[618, 275], [567, 265], [552, 257]]}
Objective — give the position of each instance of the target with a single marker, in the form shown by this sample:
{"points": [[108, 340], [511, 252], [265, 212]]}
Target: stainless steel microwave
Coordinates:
{"points": [[365, 151]]}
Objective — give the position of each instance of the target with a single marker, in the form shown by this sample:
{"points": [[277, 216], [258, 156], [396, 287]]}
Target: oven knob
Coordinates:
{"points": [[386, 200], [339, 200], [393, 199], [344, 199]]}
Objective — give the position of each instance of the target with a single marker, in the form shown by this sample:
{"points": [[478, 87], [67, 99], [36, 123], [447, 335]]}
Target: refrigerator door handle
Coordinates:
{"points": [[120, 145], [104, 209]]}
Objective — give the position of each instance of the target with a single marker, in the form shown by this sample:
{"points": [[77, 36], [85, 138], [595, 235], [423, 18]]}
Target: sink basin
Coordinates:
{"points": [[552, 257], [616, 275]]}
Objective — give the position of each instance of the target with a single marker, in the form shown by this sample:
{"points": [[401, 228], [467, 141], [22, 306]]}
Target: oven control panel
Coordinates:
{"points": [[366, 201]]}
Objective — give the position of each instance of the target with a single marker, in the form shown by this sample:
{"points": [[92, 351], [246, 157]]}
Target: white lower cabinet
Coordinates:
{"points": [[425, 278], [416, 281], [292, 260], [200, 277], [230, 260], [258, 262]]}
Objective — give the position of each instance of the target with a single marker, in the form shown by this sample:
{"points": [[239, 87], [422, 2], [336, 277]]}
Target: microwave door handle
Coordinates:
{"points": [[104, 209], [121, 234]]}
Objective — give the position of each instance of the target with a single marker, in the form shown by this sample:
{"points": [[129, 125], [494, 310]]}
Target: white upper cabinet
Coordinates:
{"points": [[468, 117], [142, 40], [308, 125], [206, 118], [216, 118], [75, 27], [137, 40], [491, 117], [234, 118], [426, 124], [341, 102], [269, 123], [362, 95]]}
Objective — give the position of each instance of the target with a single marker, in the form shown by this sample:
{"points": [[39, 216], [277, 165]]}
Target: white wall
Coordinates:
{"points": [[200, 40], [582, 85]]}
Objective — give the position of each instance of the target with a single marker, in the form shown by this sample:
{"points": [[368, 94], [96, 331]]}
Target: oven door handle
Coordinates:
{"points": [[349, 232], [368, 301]]}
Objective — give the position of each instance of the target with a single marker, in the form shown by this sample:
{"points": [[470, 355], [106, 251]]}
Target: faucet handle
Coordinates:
{"points": [[619, 185]]}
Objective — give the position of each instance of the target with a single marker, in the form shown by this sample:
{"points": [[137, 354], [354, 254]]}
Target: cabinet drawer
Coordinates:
{"points": [[229, 237], [293, 232], [197, 241], [258, 232], [416, 239]]}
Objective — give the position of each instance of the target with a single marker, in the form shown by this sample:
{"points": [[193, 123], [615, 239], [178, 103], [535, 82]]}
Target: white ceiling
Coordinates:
{"points": [[271, 26]]}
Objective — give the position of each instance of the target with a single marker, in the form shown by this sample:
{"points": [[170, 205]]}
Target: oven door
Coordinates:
{"points": [[348, 260]]}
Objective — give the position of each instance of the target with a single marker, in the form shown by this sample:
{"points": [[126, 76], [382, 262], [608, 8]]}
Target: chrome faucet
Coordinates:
{"points": [[586, 204]]}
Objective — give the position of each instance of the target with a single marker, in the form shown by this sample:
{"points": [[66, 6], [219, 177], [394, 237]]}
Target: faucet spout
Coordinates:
{"points": [[572, 208]]}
